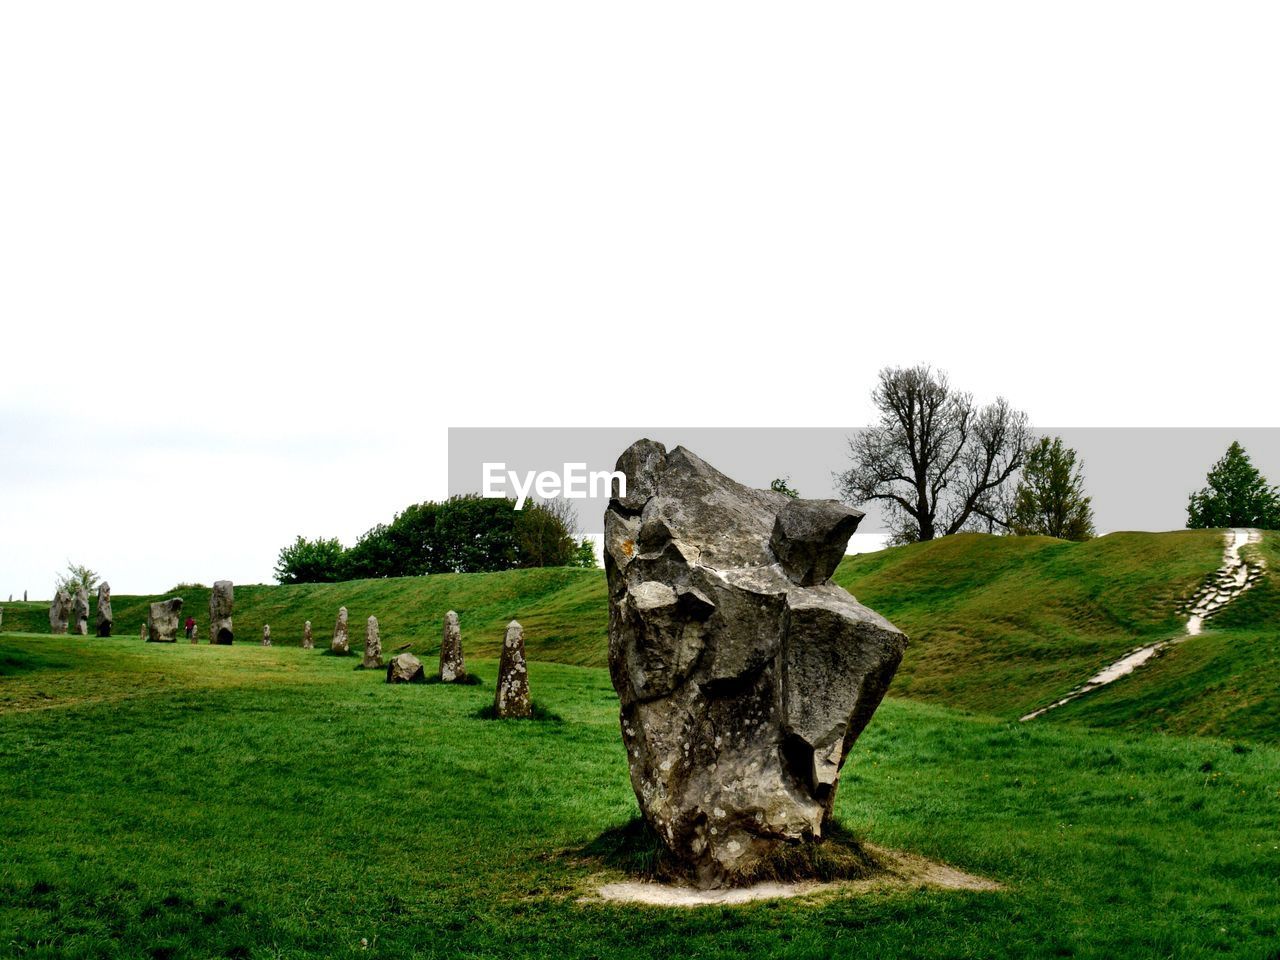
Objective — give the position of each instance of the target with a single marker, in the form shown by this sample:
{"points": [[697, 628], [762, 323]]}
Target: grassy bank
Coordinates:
{"points": [[998, 625]]}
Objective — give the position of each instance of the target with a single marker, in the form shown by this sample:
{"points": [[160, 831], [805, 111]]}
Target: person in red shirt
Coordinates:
{"points": [[191, 627]]}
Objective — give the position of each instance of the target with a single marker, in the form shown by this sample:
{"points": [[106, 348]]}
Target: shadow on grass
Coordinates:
{"points": [[636, 850], [334, 653], [466, 680], [540, 715]]}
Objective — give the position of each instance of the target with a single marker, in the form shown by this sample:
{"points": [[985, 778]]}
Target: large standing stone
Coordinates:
{"points": [[221, 602], [307, 642], [511, 698], [340, 642], [105, 620], [405, 668], [162, 621], [266, 634], [80, 611], [452, 667], [745, 675], [372, 646], [59, 611]]}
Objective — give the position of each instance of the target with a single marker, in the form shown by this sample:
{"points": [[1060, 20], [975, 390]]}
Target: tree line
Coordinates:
{"points": [[464, 534], [938, 464]]}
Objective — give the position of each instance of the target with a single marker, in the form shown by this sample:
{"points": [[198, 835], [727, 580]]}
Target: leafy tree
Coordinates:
{"points": [[542, 539], [938, 462], [1236, 495], [77, 576], [584, 555], [783, 485], [311, 561], [1050, 499]]}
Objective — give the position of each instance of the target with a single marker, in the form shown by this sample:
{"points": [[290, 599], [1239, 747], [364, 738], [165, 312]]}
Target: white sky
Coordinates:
{"points": [[255, 258]]}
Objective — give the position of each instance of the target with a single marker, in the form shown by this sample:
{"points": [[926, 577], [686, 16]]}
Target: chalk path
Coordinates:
{"points": [[1234, 577]]}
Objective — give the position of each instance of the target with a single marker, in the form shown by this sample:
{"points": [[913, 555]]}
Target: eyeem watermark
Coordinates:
{"points": [[575, 482]]}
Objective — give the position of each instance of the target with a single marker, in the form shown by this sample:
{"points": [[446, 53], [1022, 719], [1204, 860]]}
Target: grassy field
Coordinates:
{"points": [[195, 801], [999, 625]]}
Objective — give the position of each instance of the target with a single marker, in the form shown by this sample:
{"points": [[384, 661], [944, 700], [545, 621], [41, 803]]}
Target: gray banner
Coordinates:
{"points": [[1139, 477]]}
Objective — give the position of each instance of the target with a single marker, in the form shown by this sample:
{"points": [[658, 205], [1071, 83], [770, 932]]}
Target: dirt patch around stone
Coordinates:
{"points": [[900, 871]]}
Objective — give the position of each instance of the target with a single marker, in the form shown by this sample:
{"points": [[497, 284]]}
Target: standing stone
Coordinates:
{"points": [[307, 642], [372, 646], [162, 621], [80, 611], [142, 633], [452, 668], [405, 668], [744, 674], [104, 610], [511, 699], [59, 611], [221, 601], [266, 635], [340, 643]]}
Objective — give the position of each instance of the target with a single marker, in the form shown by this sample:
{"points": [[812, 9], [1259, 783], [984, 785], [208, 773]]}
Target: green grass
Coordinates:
{"points": [[196, 801], [998, 625]]}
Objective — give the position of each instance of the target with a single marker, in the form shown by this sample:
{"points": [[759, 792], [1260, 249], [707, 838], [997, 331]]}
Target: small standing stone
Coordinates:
{"points": [[266, 635], [80, 609], [59, 611], [162, 621], [340, 642], [405, 668], [372, 646], [452, 668], [221, 601], [104, 610], [142, 633], [307, 642], [511, 699]]}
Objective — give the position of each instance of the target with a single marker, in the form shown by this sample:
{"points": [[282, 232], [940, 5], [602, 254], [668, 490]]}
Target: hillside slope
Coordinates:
{"points": [[998, 625]]}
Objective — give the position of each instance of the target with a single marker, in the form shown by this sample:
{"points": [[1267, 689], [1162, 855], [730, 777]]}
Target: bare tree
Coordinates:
{"points": [[940, 464]]}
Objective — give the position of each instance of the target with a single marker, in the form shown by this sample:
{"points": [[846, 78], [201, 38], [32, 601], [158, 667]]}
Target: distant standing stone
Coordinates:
{"points": [[104, 610], [340, 642], [511, 699], [142, 633], [452, 668], [80, 611], [307, 642], [162, 621], [266, 634], [372, 646], [59, 612], [405, 668], [221, 600]]}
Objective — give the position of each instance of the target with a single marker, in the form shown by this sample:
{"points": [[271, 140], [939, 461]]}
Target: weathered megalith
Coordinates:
{"points": [[221, 602], [80, 611], [104, 610], [372, 646], [452, 667], [307, 642], [405, 668], [266, 634], [511, 698], [340, 642], [59, 611], [142, 632], [745, 675], [162, 621]]}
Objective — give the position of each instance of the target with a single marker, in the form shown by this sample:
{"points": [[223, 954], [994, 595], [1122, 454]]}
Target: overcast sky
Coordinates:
{"points": [[256, 258]]}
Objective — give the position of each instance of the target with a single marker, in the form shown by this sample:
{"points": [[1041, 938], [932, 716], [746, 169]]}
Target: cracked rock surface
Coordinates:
{"points": [[745, 675]]}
